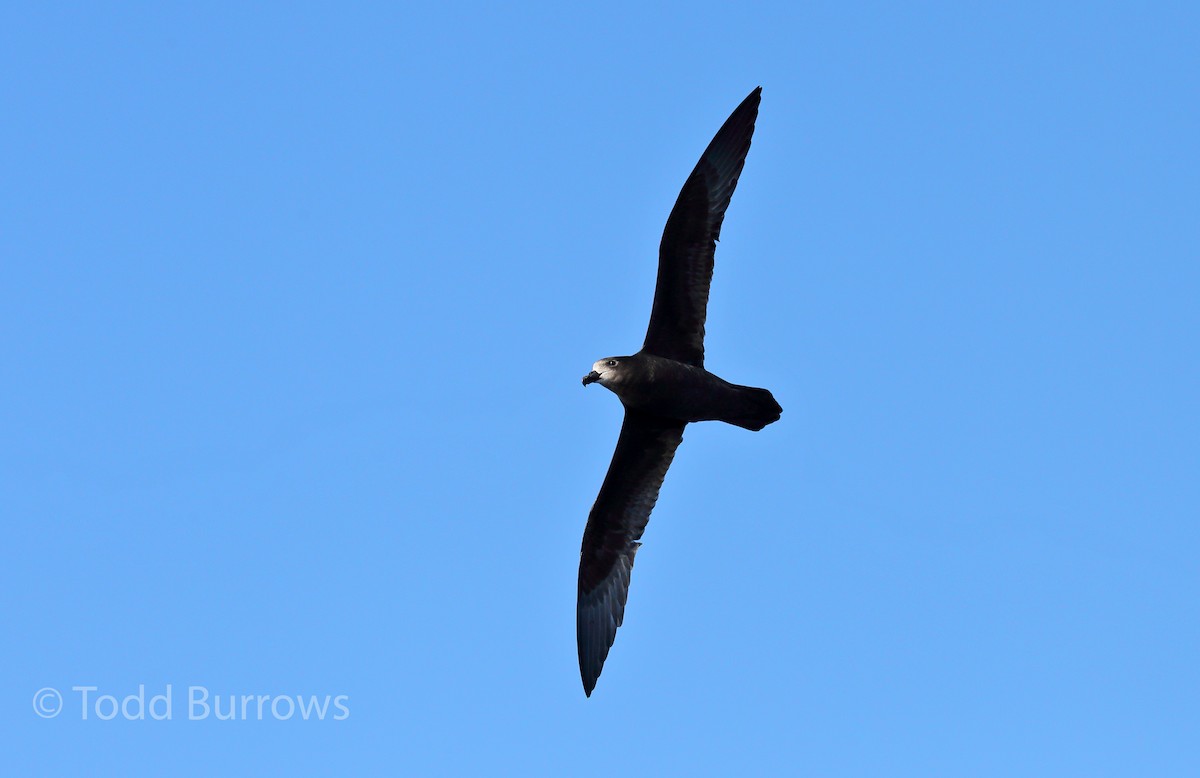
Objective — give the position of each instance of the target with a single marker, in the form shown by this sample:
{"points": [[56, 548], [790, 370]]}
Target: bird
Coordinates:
{"points": [[663, 388]]}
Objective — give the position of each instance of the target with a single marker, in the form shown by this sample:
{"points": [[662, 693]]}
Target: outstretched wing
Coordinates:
{"points": [[685, 256], [644, 452]]}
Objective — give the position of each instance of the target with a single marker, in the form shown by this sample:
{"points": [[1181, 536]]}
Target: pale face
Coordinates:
{"points": [[605, 372], [607, 368]]}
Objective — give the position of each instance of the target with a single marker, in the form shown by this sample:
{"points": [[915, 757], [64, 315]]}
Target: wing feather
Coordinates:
{"points": [[685, 255], [618, 518]]}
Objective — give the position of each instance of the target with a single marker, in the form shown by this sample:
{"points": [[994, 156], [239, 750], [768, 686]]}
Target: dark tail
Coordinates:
{"points": [[753, 409]]}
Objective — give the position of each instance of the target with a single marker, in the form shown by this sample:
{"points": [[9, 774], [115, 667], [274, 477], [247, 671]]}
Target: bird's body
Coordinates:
{"points": [[663, 387], [670, 389]]}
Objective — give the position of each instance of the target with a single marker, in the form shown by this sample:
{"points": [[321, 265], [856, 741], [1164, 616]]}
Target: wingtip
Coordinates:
{"points": [[589, 685], [748, 106]]}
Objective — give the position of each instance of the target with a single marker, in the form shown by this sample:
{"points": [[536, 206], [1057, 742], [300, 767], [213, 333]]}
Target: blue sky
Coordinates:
{"points": [[295, 300]]}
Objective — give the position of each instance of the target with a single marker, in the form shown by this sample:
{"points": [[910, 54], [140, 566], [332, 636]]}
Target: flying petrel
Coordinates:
{"points": [[663, 387]]}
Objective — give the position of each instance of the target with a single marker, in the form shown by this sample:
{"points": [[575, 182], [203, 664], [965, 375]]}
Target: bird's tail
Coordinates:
{"points": [[754, 409]]}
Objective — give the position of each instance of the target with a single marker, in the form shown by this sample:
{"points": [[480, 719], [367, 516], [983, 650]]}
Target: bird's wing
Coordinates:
{"points": [[618, 518], [685, 256]]}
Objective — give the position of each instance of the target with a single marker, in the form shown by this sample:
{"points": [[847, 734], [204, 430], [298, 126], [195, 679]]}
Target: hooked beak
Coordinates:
{"points": [[591, 378]]}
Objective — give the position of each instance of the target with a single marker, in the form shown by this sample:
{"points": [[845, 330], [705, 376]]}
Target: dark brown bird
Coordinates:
{"points": [[663, 387]]}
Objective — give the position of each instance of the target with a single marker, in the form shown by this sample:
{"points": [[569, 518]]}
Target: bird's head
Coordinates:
{"points": [[607, 372]]}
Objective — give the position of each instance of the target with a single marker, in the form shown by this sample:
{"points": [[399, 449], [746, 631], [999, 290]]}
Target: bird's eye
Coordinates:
{"points": [[611, 363]]}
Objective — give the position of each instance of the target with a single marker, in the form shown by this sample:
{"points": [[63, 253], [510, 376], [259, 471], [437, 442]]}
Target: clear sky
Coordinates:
{"points": [[294, 304]]}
